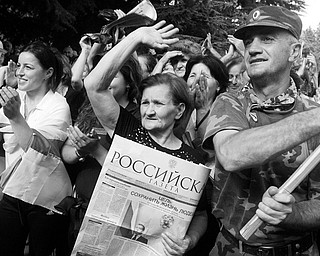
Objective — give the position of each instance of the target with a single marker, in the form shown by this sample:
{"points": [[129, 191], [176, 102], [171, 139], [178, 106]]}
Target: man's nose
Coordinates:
{"points": [[234, 80], [254, 47]]}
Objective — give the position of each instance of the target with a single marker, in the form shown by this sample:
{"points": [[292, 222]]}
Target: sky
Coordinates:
{"points": [[311, 16]]}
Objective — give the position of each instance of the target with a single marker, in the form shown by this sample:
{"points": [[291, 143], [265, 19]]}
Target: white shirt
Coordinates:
{"points": [[48, 185]]}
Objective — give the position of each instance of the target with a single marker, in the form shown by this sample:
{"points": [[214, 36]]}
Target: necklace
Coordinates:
{"points": [[201, 121]]}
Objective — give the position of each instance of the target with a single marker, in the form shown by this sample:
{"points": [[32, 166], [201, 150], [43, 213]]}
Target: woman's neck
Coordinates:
{"points": [[166, 140], [34, 97], [123, 102]]}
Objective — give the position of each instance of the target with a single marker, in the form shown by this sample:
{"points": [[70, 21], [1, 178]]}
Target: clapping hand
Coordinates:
{"points": [[84, 143], [11, 79], [199, 92], [311, 63], [238, 44], [10, 101], [206, 45]]}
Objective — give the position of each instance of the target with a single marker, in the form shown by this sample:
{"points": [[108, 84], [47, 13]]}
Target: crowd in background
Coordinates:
{"points": [[82, 137]]}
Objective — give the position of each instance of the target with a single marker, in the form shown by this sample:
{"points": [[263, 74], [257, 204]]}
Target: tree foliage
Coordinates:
{"points": [[62, 22], [311, 39], [216, 17]]}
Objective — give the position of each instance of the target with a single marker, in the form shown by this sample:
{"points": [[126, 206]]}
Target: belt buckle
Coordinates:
{"points": [[266, 251]]}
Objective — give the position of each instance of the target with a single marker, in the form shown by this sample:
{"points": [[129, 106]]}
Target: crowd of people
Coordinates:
{"points": [[251, 115]]}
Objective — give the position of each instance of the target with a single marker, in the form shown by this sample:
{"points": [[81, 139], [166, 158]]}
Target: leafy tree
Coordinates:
{"points": [[198, 18], [62, 22], [58, 21]]}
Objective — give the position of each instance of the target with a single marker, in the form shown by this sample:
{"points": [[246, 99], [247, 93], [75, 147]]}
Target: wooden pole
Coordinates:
{"points": [[291, 183]]}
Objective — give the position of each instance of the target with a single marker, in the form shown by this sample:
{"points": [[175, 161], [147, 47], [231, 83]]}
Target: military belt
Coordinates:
{"points": [[293, 248]]}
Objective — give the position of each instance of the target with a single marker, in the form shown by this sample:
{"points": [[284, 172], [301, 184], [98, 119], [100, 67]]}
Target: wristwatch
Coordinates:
{"points": [[81, 158]]}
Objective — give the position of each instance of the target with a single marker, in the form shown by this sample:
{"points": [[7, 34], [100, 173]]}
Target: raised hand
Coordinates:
{"points": [[85, 43], [164, 61], [159, 35], [238, 44], [11, 79]]}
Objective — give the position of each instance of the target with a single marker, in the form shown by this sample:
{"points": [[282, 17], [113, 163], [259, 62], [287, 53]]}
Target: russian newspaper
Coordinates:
{"points": [[140, 193]]}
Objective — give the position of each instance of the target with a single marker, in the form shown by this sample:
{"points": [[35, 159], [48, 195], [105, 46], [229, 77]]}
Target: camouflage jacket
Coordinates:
{"points": [[236, 195]]}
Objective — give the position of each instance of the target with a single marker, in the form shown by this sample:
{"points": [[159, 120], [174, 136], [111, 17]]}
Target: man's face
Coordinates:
{"points": [[68, 52], [235, 77], [179, 64], [139, 229], [267, 52]]}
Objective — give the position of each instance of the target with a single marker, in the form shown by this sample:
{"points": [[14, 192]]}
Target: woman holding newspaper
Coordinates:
{"points": [[165, 102]]}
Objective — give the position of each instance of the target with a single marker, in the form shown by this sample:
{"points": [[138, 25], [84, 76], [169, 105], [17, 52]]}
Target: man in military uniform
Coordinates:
{"points": [[260, 137]]}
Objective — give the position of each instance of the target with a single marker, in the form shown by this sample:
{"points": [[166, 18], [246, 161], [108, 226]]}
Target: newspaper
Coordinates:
{"points": [[140, 193]]}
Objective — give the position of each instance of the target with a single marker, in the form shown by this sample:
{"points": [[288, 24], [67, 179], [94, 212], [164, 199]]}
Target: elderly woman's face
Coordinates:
{"points": [[158, 113]]}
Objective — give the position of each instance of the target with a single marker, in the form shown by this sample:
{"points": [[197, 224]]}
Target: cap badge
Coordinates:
{"points": [[256, 15]]}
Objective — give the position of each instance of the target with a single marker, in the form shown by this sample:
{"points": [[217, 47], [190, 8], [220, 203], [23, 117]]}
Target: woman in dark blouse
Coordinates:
{"points": [[165, 103]]}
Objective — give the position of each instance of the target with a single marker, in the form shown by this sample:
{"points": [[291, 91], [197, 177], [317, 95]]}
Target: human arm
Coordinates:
{"points": [[80, 144], [281, 209], [207, 46], [202, 104], [10, 101], [98, 80], [177, 246], [97, 49], [302, 67], [79, 65], [3, 71], [238, 44], [241, 148], [164, 61], [11, 79], [231, 53], [236, 48]]}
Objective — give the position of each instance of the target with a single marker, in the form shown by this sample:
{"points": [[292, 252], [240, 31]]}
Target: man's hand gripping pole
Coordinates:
{"points": [[291, 183]]}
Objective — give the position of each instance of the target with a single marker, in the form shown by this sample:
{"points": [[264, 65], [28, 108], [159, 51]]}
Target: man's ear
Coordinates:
{"points": [[295, 51]]}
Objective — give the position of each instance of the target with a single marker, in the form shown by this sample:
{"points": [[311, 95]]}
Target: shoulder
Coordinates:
{"points": [[133, 109], [54, 100], [191, 154], [229, 100]]}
